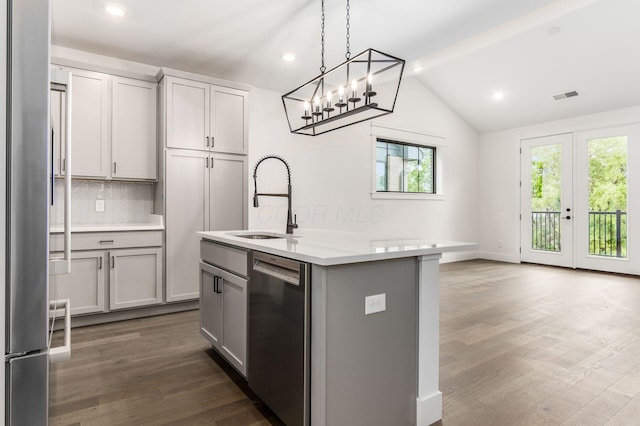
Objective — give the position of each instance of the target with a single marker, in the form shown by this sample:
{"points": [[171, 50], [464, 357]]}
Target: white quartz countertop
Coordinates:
{"points": [[110, 227], [328, 248], [156, 223]]}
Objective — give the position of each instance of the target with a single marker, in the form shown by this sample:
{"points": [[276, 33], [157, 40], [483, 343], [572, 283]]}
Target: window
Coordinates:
{"points": [[406, 168]]}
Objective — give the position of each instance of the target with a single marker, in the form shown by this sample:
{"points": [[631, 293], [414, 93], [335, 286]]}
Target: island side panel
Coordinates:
{"points": [[370, 375], [429, 402]]}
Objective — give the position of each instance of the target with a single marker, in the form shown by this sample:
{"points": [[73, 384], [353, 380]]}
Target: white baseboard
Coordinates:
{"points": [[429, 409], [458, 256], [500, 257]]}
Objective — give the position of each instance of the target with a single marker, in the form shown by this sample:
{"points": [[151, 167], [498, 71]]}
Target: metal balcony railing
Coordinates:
{"points": [[607, 232], [545, 231]]}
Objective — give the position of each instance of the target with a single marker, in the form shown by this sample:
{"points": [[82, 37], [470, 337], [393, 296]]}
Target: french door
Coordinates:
{"points": [[547, 200], [580, 200]]}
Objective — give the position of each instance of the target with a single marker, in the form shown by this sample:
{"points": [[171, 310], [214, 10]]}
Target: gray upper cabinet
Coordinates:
{"points": [[134, 142], [114, 127], [228, 120], [58, 100], [204, 116], [187, 113], [90, 124]]}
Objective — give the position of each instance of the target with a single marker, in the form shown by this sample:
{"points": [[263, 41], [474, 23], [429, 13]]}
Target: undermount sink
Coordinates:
{"points": [[258, 236]]}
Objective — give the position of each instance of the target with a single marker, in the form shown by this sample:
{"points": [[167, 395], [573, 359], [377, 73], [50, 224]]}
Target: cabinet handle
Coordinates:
{"points": [[213, 142], [100, 262], [115, 168], [105, 241], [216, 284], [64, 164], [207, 162], [212, 162], [113, 262], [207, 141]]}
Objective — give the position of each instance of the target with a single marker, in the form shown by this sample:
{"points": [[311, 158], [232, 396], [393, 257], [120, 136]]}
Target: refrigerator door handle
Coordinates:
{"points": [[61, 353], [61, 266]]}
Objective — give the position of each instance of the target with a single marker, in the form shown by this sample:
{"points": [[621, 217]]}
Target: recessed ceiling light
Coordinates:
{"points": [[498, 96], [114, 10], [288, 57]]}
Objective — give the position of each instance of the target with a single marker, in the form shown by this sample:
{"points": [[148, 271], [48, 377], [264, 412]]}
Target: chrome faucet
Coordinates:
{"points": [[291, 225]]}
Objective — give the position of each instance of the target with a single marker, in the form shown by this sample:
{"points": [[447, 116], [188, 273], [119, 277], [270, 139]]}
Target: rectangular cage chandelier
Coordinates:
{"points": [[364, 87], [361, 88]]}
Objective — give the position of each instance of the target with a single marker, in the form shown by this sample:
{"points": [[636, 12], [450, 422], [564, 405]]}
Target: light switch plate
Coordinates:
{"points": [[375, 303], [100, 206]]}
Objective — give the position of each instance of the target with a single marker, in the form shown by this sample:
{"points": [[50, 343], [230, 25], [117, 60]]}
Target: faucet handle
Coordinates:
{"points": [[295, 221]]}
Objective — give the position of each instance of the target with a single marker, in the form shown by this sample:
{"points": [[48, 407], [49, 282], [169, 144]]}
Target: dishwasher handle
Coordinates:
{"points": [[284, 269]]}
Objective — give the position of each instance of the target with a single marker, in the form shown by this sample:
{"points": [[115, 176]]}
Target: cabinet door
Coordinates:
{"points": [[210, 305], [187, 185], [84, 287], [58, 118], [90, 124], [135, 277], [223, 313], [234, 321], [229, 122], [228, 196], [187, 112], [134, 143]]}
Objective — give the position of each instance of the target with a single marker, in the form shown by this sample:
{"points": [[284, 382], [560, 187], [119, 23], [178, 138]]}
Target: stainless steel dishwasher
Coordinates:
{"points": [[279, 325]]}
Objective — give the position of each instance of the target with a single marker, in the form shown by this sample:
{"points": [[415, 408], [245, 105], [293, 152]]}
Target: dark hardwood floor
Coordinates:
{"points": [[520, 345]]}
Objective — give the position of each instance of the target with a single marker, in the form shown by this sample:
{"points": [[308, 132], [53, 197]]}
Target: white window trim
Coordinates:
{"points": [[414, 138]]}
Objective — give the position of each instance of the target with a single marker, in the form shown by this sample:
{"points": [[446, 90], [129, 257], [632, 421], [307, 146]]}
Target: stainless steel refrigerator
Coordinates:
{"points": [[28, 186]]}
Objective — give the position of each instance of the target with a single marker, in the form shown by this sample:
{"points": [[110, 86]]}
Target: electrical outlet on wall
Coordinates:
{"points": [[100, 206], [375, 303]]}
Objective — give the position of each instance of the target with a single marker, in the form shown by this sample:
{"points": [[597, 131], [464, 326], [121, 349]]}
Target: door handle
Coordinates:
{"points": [[567, 217]]}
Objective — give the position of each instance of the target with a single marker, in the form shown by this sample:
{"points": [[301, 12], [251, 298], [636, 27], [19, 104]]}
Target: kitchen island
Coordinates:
{"points": [[372, 361]]}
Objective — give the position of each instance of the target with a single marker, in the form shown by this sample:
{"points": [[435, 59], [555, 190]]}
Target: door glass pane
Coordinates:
{"points": [[608, 196], [546, 196]]}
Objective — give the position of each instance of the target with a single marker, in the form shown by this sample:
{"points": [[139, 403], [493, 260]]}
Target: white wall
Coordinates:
{"points": [[499, 177], [332, 172]]}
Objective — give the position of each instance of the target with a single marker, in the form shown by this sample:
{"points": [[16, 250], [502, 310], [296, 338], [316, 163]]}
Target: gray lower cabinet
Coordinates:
{"points": [[135, 278], [110, 271], [84, 287], [223, 313]]}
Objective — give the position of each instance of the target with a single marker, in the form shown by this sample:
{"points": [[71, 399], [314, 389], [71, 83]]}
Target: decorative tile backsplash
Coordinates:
{"points": [[124, 202]]}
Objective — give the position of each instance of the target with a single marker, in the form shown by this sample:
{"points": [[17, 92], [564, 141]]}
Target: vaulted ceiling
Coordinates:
{"points": [[528, 50]]}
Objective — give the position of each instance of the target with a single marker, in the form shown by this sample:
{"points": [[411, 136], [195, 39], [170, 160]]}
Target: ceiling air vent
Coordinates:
{"points": [[565, 95]]}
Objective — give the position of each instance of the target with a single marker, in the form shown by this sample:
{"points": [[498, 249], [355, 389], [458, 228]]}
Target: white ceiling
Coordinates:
{"points": [[594, 52]]}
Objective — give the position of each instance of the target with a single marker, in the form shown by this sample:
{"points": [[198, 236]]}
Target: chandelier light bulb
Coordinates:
{"points": [[341, 91], [306, 107], [354, 85], [370, 78], [316, 101], [329, 96]]}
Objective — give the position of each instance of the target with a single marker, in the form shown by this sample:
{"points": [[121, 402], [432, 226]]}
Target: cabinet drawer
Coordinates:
{"points": [[229, 258], [107, 240]]}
